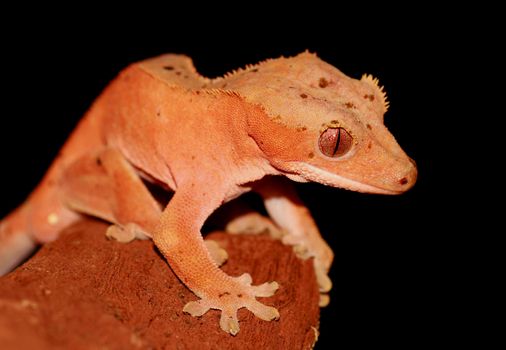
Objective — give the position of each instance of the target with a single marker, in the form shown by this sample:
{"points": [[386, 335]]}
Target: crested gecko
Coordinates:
{"points": [[209, 141]]}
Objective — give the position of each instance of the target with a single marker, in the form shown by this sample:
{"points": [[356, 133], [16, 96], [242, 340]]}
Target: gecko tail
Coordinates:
{"points": [[16, 243]]}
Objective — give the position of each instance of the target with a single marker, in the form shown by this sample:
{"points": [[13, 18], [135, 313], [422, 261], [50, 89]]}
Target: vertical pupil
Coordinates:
{"points": [[338, 140], [335, 142]]}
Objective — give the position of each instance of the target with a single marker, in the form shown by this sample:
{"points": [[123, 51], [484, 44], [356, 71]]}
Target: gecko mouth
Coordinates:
{"points": [[314, 174]]}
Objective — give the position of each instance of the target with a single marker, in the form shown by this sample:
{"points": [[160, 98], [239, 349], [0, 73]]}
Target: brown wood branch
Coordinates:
{"points": [[86, 292]]}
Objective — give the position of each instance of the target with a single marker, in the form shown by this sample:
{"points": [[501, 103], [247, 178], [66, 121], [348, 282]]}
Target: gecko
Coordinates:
{"points": [[208, 141]]}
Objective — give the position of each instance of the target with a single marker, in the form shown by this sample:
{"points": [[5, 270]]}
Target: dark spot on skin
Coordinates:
{"points": [[369, 126], [301, 128], [303, 95], [193, 157], [99, 161], [403, 181], [168, 68], [369, 97], [311, 155], [349, 105], [323, 83], [224, 85], [254, 70], [197, 92], [239, 295], [178, 73], [223, 294], [369, 145], [158, 114], [186, 77]]}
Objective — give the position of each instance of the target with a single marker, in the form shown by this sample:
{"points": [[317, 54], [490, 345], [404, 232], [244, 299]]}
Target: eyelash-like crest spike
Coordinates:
{"points": [[375, 82]]}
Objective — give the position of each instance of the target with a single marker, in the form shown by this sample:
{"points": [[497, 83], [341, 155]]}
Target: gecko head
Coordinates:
{"points": [[316, 124]]}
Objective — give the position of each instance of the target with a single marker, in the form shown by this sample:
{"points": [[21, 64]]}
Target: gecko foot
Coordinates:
{"points": [[303, 246], [126, 233], [253, 224], [233, 296], [323, 257], [218, 254]]}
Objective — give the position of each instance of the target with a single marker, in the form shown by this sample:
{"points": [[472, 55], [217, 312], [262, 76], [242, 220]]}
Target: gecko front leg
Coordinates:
{"points": [[295, 223], [105, 185], [178, 238]]}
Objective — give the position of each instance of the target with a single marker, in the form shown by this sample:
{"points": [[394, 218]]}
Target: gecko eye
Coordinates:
{"points": [[335, 142]]}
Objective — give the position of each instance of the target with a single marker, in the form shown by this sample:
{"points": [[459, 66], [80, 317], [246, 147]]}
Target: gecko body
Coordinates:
{"points": [[209, 141]]}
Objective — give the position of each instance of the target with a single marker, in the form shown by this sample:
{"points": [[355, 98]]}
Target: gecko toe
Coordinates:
{"points": [[196, 308], [266, 313], [266, 289], [324, 300], [229, 322], [120, 234], [291, 240], [324, 282], [219, 255], [232, 296], [126, 233], [245, 278], [253, 224]]}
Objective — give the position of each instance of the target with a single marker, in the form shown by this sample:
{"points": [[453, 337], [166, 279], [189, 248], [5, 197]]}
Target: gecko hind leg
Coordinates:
{"points": [[105, 185]]}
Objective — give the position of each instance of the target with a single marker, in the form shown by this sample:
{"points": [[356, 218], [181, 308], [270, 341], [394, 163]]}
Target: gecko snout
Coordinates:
{"points": [[407, 180]]}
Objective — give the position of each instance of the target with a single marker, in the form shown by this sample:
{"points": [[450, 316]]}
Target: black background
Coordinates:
{"points": [[386, 250]]}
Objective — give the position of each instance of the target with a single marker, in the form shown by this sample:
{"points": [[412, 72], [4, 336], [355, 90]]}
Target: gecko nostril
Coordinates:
{"points": [[403, 181]]}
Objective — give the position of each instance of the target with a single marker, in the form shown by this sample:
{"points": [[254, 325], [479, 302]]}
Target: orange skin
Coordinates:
{"points": [[209, 141]]}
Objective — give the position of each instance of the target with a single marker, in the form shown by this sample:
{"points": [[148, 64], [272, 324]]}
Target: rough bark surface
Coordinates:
{"points": [[86, 292]]}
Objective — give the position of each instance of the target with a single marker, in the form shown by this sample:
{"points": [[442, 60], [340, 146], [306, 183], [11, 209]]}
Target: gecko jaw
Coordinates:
{"points": [[318, 175]]}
